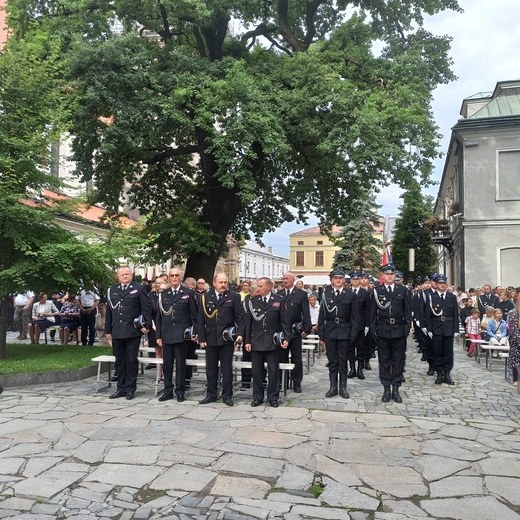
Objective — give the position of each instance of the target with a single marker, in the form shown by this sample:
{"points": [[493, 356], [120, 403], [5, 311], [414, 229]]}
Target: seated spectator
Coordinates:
{"points": [[506, 304], [461, 296], [69, 315], [484, 322], [473, 328], [56, 299], [497, 330], [43, 313], [315, 312]]}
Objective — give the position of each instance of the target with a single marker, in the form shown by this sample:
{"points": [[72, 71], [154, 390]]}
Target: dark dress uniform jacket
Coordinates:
{"points": [[394, 321], [341, 321], [363, 302], [447, 324], [183, 307], [229, 313], [297, 308], [260, 333], [122, 309]]}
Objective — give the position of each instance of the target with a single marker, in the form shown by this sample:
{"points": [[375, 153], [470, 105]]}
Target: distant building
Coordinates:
{"points": [[478, 204], [3, 24], [311, 252], [256, 261]]}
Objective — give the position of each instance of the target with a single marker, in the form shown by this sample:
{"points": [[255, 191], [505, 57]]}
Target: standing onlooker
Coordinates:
{"points": [[88, 302], [506, 304], [473, 328], [128, 318], [201, 286], [266, 318], [390, 321], [43, 313], [461, 296], [219, 309], [513, 361], [22, 312], [486, 299], [246, 289]]}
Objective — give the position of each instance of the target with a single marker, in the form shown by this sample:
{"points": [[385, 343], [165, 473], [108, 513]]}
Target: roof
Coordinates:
{"points": [[336, 230], [94, 214], [503, 102]]}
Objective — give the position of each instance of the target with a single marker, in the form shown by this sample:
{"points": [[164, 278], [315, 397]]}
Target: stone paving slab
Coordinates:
{"points": [[445, 452]]}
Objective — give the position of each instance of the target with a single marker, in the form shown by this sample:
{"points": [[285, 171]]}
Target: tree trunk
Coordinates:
{"points": [[4, 310], [201, 266]]}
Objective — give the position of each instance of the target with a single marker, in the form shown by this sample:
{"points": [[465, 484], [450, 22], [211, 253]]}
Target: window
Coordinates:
{"points": [[508, 171], [300, 242], [319, 258], [320, 242], [300, 258]]}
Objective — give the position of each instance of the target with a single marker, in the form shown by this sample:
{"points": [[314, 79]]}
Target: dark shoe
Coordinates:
{"points": [[245, 386], [333, 390], [130, 396], [187, 383], [165, 397], [207, 400], [386, 395], [113, 378], [440, 378], [424, 357], [447, 379], [22, 338], [395, 395], [256, 403], [228, 402], [430, 372], [117, 394], [352, 372], [180, 398], [297, 388], [343, 387], [360, 370], [274, 404], [367, 364]]}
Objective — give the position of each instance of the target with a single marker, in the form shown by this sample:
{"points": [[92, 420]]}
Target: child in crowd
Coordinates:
{"points": [[473, 328]]}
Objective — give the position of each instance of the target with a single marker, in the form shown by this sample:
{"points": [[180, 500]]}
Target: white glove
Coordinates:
{"points": [[418, 323], [424, 331], [366, 330], [456, 335], [430, 334]]}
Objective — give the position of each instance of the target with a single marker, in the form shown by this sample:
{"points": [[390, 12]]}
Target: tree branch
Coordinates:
{"points": [[172, 152], [285, 28], [364, 70], [200, 42], [309, 21], [166, 34]]}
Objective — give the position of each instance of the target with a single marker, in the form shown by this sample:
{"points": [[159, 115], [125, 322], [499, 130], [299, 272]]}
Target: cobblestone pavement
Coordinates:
{"points": [[66, 451]]}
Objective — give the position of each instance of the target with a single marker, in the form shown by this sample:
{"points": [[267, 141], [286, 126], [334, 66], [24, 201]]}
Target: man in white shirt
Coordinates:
{"points": [[314, 309], [22, 312], [88, 302]]}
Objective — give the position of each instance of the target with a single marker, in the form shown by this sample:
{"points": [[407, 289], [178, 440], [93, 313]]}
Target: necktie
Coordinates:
{"points": [[219, 297], [337, 292], [390, 290], [287, 292], [442, 296], [265, 300], [123, 287], [175, 292]]}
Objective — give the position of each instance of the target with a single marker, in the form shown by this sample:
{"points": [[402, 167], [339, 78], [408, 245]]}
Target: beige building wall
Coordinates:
{"points": [[3, 23]]}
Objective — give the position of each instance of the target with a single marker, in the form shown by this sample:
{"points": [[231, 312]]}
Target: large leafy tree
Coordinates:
{"points": [[359, 248], [237, 115], [409, 233]]}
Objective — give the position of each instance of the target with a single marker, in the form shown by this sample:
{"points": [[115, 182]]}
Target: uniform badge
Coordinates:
{"points": [[276, 304], [133, 292]]}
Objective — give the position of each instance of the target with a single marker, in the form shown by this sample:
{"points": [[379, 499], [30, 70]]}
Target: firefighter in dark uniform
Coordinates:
{"points": [[296, 305], [370, 341], [266, 317], [390, 321], [176, 312], [126, 302], [219, 310], [338, 327], [362, 348], [442, 325]]}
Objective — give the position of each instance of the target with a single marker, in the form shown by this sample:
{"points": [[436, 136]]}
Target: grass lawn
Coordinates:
{"points": [[22, 359]]}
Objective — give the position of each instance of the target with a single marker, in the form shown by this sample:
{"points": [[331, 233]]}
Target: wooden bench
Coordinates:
{"points": [[505, 357], [488, 348]]}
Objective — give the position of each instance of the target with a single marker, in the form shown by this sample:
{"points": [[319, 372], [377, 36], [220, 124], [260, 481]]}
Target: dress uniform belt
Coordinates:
{"points": [[337, 320], [443, 318], [391, 320]]}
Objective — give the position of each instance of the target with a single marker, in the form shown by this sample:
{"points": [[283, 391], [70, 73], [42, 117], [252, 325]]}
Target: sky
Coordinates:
{"points": [[484, 50]]}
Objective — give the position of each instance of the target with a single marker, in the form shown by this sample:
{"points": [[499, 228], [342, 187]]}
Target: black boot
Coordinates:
{"points": [[360, 370], [447, 379], [343, 387], [352, 372], [386, 395], [430, 372], [440, 377], [333, 390], [395, 394], [424, 357], [367, 364]]}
